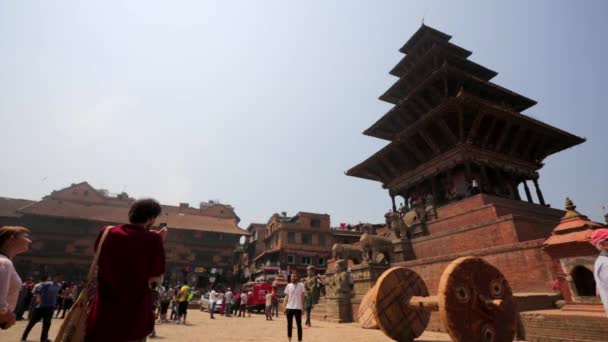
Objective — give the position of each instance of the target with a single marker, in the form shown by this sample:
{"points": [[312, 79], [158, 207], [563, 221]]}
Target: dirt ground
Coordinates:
{"points": [[232, 329]]}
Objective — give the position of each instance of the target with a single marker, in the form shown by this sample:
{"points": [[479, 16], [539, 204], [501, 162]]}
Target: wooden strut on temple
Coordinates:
{"points": [[474, 301]]}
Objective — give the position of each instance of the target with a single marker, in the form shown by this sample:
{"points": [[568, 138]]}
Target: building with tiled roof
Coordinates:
{"points": [[65, 223]]}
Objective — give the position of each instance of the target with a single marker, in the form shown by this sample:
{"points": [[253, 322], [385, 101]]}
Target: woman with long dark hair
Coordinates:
{"points": [[13, 241]]}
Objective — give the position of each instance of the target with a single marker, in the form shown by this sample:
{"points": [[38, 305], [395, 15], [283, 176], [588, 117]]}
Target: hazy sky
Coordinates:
{"points": [[261, 104]]}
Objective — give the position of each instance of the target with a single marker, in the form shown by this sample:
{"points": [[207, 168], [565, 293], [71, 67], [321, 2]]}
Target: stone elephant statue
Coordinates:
{"points": [[374, 245], [397, 225], [346, 252]]}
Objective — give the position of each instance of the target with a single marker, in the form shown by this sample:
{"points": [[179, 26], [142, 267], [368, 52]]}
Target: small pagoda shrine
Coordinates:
{"points": [[573, 258]]}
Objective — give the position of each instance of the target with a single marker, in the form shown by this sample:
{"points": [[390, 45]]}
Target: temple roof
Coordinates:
{"points": [[9, 206], [574, 228], [409, 60], [82, 201], [557, 140], [422, 33], [425, 63], [389, 124]]}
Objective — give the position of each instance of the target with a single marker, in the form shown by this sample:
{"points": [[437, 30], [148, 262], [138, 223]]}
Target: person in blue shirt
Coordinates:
{"points": [[46, 300]]}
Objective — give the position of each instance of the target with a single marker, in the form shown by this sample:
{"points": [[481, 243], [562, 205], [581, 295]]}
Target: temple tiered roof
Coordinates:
{"points": [[449, 117]]}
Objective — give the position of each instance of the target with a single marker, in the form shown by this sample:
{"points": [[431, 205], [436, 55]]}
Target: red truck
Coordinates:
{"points": [[257, 300]]}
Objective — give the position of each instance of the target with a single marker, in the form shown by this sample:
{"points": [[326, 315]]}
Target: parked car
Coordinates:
{"points": [[205, 305]]}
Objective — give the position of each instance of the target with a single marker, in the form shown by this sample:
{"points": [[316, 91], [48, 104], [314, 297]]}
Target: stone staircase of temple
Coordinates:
{"points": [[319, 312], [560, 326]]}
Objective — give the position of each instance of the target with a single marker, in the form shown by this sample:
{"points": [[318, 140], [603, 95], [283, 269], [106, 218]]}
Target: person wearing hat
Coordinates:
{"points": [[599, 238]]}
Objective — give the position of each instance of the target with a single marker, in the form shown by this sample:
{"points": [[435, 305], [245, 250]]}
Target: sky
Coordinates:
{"points": [[261, 104]]}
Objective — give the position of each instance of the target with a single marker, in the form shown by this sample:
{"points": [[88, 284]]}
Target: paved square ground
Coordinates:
{"points": [[232, 329]]}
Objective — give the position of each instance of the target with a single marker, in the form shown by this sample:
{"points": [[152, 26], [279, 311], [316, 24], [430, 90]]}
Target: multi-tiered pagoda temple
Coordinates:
{"points": [[459, 150], [453, 132]]}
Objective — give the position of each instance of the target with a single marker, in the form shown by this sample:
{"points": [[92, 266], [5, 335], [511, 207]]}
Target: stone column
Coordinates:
{"points": [[528, 195], [539, 194]]}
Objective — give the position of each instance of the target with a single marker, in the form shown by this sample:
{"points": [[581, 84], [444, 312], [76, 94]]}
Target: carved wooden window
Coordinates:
{"points": [[291, 259], [306, 260], [321, 261], [315, 223], [291, 237], [306, 239]]}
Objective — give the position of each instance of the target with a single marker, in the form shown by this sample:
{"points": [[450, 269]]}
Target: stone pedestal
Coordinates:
{"points": [[365, 276], [339, 309], [402, 251]]}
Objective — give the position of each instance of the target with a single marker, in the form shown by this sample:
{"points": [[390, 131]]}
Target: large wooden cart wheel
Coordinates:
{"points": [[393, 314], [366, 311], [476, 302]]}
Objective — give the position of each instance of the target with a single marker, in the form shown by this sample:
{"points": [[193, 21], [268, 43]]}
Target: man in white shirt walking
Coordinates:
{"points": [[294, 304], [212, 302]]}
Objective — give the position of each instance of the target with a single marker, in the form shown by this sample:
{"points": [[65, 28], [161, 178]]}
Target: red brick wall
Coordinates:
{"points": [[472, 216], [471, 238], [461, 207], [525, 265], [529, 228]]}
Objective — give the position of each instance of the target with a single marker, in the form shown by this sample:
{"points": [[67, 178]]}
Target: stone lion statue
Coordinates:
{"points": [[374, 245], [346, 252]]}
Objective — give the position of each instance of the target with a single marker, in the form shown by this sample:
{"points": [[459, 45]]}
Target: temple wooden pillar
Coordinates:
{"points": [[434, 189], [485, 185], [539, 194], [392, 194], [467, 171], [527, 190]]}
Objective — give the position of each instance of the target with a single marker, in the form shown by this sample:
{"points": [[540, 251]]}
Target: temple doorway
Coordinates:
{"points": [[583, 281]]}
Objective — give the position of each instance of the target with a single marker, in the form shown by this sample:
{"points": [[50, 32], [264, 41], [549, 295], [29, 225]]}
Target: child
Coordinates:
{"points": [[269, 306]]}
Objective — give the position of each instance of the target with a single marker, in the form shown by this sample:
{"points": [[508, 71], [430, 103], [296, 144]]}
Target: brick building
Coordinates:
{"points": [[65, 223], [290, 243]]}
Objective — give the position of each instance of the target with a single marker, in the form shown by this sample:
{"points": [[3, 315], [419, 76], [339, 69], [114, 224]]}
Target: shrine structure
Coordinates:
{"points": [[459, 148]]}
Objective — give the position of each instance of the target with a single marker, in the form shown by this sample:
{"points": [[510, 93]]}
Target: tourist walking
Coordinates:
{"points": [[46, 299], [294, 304], [212, 302], [25, 296], [165, 300], [275, 302], [308, 303], [221, 302], [236, 303], [155, 295], [131, 257], [268, 308], [243, 306], [69, 297], [174, 307], [182, 309], [13, 241], [599, 238], [228, 297]]}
